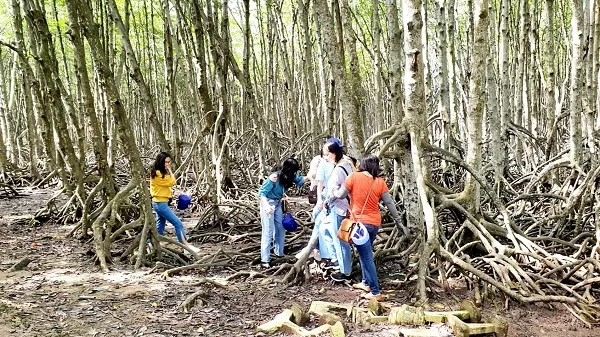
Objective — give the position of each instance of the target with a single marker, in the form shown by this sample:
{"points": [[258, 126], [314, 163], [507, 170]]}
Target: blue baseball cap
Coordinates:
{"points": [[335, 140]]}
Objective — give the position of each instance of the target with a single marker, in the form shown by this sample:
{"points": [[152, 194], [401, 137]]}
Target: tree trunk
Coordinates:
{"points": [[550, 77], [145, 93], [352, 115], [123, 123], [576, 82], [476, 100], [414, 96], [395, 57]]}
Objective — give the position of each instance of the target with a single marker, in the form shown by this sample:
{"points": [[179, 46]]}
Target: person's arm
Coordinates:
{"points": [[340, 193], [389, 203], [300, 180], [167, 181], [320, 185], [267, 185]]}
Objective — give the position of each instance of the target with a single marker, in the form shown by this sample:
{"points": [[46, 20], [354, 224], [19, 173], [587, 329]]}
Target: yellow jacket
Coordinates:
{"points": [[160, 187]]}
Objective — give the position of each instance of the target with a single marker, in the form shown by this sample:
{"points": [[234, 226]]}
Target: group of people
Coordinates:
{"points": [[343, 190]]}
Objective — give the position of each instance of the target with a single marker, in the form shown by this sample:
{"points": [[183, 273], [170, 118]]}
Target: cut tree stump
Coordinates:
{"points": [[375, 307], [421, 332], [337, 330], [320, 308], [365, 316], [462, 329], [406, 315], [299, 316], [329, 318], [276, 323]]}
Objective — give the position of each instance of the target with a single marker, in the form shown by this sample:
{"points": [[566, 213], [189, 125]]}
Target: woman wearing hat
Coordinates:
{"points": [[365, 189], [161, 182], [271, 214]]}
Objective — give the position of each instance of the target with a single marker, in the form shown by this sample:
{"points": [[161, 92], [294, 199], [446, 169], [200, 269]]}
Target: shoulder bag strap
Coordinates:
{"points": [[368, 195]]}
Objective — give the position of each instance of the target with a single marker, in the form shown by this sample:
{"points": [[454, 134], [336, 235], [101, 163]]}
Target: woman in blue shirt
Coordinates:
{"points": [[271, 215]]}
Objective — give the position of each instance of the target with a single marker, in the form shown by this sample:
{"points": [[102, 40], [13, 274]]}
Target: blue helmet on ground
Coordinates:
{"points": [[289, 223], [183, 201]]}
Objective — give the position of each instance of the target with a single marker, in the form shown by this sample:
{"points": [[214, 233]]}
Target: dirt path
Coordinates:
{"points": [[61, 293]]}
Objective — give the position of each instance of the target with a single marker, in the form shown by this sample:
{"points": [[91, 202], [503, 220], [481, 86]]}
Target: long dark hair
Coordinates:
{"points": [[370, 163], [287, 172], [337, 150], [159, 164]]}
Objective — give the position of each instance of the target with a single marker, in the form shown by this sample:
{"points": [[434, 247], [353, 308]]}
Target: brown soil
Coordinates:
{"points": [[61, 293]]}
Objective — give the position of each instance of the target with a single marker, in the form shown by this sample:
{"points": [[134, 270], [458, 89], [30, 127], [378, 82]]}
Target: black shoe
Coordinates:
{"points": [[332, 265], [341, 278], [265, 265]]}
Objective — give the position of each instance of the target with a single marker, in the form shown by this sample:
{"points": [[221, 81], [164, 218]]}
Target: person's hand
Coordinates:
{"points": [[270, 210], [326, 206]]}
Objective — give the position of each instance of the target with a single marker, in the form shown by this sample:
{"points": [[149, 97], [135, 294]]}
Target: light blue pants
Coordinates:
{"points": [[339, 249], [272, 229], [164, 213], [323, 249]]}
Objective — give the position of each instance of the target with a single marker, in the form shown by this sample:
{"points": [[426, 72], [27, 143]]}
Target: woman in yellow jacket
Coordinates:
{"points": [[161, 181]]}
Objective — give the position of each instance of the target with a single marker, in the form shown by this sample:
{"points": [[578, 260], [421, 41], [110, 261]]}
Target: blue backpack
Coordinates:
{"points": [[289, 223]]}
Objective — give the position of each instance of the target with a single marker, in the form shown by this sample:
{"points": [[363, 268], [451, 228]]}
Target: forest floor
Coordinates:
{"points": [[61, 293]]}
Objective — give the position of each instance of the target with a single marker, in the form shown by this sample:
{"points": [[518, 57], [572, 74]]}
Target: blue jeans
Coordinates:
{"points": [[164, 214], [339, 249], [323, 249], [272, 229], [367, 263]]}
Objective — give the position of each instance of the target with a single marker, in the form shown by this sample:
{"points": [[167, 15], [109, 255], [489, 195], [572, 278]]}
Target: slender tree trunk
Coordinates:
{"points": [[505, 80], [352, 116], [5, 121], [414, 95], [307, 65], [145, 92], [34, 95], [107, 81], [377, 72], [55, 93], [493, 112], [452, 83], [576, 82], [9, 145], [87, 106], [550, 77], [170, 64], [395, 56], [520, 76], [476, 99]]}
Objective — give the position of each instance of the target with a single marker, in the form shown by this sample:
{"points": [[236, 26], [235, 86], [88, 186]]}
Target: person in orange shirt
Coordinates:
{"points": [[161, 182], [366, 188]]}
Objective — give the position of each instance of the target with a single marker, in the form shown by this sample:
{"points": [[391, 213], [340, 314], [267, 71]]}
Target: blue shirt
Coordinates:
{"points": [[323, 173], [274, 190]]}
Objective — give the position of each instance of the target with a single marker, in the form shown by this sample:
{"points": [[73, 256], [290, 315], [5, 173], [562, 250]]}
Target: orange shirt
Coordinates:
{"points": [[359, 184]]}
